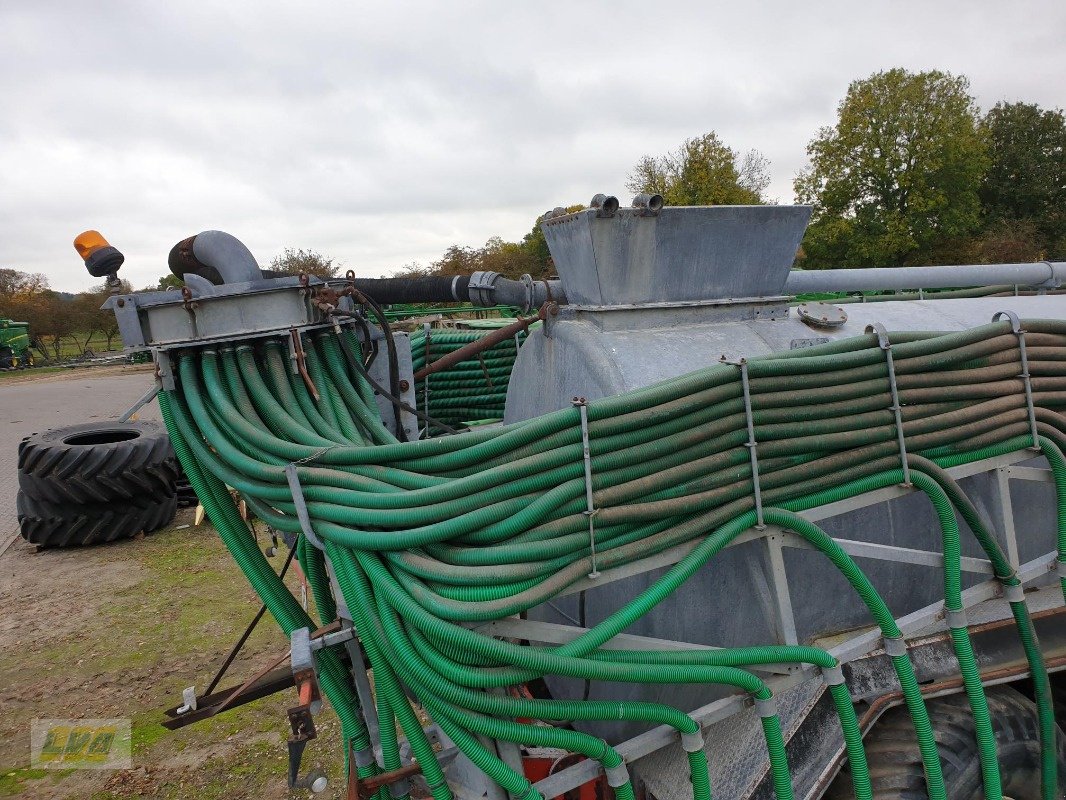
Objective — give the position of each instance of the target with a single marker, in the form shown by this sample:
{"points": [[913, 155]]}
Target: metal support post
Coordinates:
{"points": [[886, 347], [1017, 330], [590, 506], [751, 444]]}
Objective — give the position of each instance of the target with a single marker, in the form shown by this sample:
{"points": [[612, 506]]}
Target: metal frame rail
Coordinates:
{"points": [[781, 677]]}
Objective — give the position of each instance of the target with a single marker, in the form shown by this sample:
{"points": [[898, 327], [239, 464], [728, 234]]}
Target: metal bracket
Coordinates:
{"points": [[590, 507], [886, 347], [1017, 330], [146, 398], [751, 444], [301, 505]]}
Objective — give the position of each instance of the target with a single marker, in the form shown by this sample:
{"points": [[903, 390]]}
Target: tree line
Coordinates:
{"points": [[912, 173], [59, 321]]}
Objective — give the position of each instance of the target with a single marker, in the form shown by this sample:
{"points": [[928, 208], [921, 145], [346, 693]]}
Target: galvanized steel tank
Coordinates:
{"points": [[654, 295]]}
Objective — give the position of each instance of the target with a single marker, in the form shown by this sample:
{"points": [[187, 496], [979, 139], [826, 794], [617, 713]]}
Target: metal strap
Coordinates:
{"points": [[301, 505], [1014, 593], [897, 410], [766, 708], [751, 444], [590, 507], [956, 617], [692, 742], [1017, 330], [617, 775], [895, 646], [833, 676]]}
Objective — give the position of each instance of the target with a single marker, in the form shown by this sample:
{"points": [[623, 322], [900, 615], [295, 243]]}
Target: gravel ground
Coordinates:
{"points": [[29, 404]]}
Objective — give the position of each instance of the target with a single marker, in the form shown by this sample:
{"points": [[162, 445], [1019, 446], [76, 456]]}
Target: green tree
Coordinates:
{"points": [[311, 262], [897, 177], [1026, 179], [703, 171], [168, 281]]}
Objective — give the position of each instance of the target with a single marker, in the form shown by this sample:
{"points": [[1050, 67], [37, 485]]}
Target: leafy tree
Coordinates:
{"points": [[168, 281], [311, 262], [898, 175], [703, 171], [1026, 179], [14, 283]]}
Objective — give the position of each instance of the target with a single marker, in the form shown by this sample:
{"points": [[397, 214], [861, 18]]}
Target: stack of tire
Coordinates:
{"points": [[96, 482]]}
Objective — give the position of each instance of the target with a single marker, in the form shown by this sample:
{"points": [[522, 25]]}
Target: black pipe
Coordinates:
{"points": [[386, 291]]}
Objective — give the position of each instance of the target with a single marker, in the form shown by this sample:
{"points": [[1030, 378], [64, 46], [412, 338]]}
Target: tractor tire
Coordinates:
{"points": [[98, 462], [7, 358], [51, 525], [896, 765]]}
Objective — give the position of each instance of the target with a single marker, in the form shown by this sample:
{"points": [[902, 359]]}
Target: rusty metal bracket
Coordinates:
{"points": [[897, 410], [1017, 330]]}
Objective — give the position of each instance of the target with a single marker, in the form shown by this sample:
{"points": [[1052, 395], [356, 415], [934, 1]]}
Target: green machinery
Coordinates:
{"points": [[15, 344]]}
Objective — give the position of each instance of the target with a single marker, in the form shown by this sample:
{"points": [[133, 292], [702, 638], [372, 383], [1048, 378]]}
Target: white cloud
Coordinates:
{"points": [[382, 133]]}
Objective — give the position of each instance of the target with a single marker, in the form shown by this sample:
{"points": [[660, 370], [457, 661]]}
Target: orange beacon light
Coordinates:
{"points": [[101, 259]]}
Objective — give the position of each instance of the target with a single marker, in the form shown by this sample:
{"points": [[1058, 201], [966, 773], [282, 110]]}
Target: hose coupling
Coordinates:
{"points": [[482, 288], [1015, 592], [692, 742], [766, 707], [956, 618], [895, 646], [617, 775], [833, 676]]}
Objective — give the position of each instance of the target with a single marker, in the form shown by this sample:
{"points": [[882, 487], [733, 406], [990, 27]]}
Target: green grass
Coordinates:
{"points": [[168, 626]]}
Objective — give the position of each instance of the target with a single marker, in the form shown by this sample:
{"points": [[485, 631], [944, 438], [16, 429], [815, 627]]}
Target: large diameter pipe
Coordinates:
{"points": [[1045, 274], [216, 256]]}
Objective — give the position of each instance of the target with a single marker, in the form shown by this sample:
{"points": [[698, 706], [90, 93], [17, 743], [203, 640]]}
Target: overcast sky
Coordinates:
{"points": [[381, 133]]}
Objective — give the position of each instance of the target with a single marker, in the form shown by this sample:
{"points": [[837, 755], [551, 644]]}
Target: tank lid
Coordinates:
{"points": [[676, 253]]}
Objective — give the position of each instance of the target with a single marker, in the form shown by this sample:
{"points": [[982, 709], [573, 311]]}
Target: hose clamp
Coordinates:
{"points": [[751, 444], [692, 742], [1023, 357], [956, 618], [1015, 593], [617, 775], [895, 646], [482, 288], [364, 757], [766, 707], [833, 676], [893, 389]]}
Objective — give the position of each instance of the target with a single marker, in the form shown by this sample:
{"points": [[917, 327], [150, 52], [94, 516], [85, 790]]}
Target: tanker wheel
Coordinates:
{"points": [[896, 765], [97, 462]]}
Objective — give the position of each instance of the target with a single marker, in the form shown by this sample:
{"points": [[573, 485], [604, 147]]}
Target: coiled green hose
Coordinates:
{"points": [[427, 537]]}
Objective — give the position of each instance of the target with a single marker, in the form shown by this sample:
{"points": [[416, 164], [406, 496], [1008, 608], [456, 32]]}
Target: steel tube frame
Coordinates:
{"points": [[1042, 274], [781, 677]]}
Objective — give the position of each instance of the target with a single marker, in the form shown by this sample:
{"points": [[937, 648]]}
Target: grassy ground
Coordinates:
{"points": [[118, 631]]}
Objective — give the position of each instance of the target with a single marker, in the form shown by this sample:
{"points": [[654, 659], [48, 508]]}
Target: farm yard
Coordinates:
{"points": [[119, 630]]}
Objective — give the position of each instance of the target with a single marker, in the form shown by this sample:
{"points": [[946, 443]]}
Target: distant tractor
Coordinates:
{"points": [[15, 344]]}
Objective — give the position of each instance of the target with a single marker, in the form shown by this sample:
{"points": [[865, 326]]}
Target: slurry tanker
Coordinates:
{"points": [[722, 540]]}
